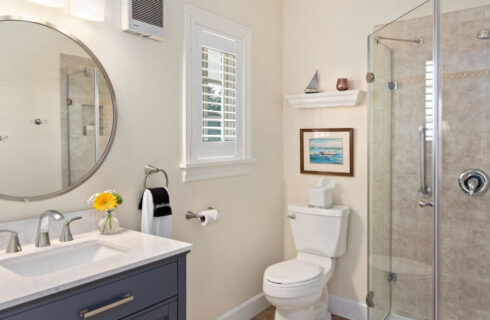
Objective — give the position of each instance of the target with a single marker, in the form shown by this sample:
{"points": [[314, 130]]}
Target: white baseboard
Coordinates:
{"points": [[247, 309], [350, 309]]}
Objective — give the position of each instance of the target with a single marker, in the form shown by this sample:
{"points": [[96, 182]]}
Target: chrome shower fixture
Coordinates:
{"points": [[483, 34], [419, 41]]}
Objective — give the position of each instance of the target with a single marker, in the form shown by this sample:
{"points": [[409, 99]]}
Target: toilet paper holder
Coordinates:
{"points": [[192, 215]]}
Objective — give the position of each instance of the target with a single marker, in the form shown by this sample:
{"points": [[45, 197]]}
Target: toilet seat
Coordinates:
{"points": [[292, 273], [293, 279]]}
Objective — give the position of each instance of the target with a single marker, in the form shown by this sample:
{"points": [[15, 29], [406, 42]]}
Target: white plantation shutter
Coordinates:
{"points": [[218, 96], [218, 102], [429, 105]]}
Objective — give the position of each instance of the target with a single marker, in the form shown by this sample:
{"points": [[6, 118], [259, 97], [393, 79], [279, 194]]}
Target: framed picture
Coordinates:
{"points": [[327, 151]]}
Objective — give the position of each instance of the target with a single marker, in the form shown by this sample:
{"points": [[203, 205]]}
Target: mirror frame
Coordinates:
{"points": [[4, 18]]}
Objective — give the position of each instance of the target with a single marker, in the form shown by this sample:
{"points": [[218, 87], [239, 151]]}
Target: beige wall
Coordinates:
{"points": [[331, 36], [228, 259]]}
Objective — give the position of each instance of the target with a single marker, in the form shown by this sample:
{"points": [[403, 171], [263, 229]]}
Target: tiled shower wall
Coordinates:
{"points": [[465, 238], [466, 144]]}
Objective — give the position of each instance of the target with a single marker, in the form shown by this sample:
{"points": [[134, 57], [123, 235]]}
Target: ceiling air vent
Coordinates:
{"points": [[145, 18]]}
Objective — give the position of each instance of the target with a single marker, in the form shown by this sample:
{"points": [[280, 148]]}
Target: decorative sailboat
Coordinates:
{"points": [[313, 86]]}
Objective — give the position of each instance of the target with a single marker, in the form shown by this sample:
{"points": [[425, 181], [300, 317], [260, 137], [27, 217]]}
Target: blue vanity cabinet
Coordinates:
{"points": [[163, 311], [156, 291]]}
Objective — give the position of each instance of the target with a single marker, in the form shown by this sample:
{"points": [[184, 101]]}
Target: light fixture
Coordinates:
{"points": [[88, 9], [52, 3]]}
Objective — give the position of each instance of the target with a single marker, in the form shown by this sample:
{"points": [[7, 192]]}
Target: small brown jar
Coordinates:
{"points": [[342, 84]]}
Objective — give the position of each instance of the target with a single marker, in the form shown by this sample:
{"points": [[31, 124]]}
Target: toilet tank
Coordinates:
{"points": [[319, 231]]}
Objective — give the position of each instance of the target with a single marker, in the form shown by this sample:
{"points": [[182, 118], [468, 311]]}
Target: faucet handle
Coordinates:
{"points": [[42, 235], [14, 244], [66, 235]]}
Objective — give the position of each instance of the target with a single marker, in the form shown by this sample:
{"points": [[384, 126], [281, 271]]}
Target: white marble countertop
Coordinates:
{"points": [[139, 249]]}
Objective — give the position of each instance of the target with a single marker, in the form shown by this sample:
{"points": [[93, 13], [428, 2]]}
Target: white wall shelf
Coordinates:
{"points": [[327, 99]]}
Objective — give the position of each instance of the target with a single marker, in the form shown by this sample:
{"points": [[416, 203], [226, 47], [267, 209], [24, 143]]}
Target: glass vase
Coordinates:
{"points": [[109, 224]]}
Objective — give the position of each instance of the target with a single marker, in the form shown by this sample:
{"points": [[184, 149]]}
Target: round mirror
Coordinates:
{"points": [[58, 111]]}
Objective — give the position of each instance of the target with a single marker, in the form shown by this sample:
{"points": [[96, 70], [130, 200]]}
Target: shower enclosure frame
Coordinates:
{"points": [[436, 152]]}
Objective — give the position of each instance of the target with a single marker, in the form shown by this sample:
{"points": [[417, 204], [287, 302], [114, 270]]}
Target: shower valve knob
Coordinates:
{"points": [[473, 182]]}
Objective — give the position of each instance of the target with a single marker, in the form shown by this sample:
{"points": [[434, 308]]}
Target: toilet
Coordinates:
{"points": [[298, 287]]}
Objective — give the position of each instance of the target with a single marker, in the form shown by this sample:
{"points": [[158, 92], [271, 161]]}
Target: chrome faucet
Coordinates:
{"points": [[14, 244], [42, 236], [66, 235]]}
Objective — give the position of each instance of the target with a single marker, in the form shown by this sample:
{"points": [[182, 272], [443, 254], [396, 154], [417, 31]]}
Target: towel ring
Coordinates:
{"points": [[151, 169]]}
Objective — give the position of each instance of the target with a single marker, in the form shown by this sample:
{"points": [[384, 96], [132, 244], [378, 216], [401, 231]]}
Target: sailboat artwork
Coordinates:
{"points": [[313, 86]]}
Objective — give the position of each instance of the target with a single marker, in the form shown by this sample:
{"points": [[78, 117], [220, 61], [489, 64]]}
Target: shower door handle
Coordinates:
{"points": [[424, 204], [424, 190]]}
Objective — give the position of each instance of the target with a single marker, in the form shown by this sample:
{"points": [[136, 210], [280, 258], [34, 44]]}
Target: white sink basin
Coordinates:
{"points": [[55, 259]]}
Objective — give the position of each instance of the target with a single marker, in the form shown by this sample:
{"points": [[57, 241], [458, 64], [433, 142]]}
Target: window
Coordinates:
{"points": [[217, 97], [219, 90]]}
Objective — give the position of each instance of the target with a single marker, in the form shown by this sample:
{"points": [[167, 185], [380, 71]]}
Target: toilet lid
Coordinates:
{"points": [[292, 271]]}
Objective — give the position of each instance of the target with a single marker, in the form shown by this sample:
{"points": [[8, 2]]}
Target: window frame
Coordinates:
{"points": [[199, 160]]}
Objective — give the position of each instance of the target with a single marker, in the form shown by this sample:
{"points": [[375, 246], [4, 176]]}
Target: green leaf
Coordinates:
{"points": [[119, 199]]}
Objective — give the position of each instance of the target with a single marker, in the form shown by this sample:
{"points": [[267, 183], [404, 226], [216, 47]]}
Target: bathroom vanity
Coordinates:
{"points": [[125, 276]]}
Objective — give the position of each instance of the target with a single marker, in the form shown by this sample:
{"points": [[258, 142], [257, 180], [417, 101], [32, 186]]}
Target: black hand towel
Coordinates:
{"points": [[161, 202]]}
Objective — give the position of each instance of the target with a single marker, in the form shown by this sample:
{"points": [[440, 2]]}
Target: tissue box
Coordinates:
{"points": [[321, 195]]}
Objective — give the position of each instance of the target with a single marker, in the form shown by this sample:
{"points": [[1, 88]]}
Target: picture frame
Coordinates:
{"points": [[327, 151]]}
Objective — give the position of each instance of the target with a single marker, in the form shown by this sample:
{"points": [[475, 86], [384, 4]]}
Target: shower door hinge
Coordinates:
{"points": [[370, 299], [370, 77], [392, 277]]}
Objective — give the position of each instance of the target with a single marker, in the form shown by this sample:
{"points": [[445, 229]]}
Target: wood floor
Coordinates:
{"points": [[268, 314]]}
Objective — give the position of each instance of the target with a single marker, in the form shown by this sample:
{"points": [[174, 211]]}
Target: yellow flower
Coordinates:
{"points": [[105, 201]]}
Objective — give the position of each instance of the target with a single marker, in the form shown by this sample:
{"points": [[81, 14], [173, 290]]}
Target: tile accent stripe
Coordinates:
{"points": [[475, 74]]}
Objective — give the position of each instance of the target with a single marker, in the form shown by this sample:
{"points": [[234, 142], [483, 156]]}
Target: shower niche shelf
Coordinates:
{"points": [[328, 99]]}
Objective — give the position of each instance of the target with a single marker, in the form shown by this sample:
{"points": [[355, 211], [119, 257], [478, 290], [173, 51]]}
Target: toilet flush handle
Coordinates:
{"points": [[292, 216]]}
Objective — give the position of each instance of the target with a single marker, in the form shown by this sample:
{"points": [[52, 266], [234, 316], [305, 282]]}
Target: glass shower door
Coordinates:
{"points": [[380, 181], [400, 162]]}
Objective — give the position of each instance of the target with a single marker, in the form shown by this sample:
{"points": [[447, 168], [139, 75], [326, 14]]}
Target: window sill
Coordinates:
{"points": [[216, 169]]}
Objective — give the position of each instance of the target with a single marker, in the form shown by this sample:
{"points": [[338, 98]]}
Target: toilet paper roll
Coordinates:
{"points": [[209, 216]]}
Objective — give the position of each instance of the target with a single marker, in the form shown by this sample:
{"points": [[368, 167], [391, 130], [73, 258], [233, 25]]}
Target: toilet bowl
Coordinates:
{"points": [[298, 287]]}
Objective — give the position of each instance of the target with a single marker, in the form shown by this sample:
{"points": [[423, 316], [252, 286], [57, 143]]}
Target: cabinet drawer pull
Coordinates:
{"points": [[85, 314]]}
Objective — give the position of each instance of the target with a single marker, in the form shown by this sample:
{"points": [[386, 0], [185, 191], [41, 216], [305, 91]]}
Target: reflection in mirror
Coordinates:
{"points": [[57, 109]]}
